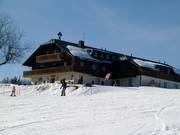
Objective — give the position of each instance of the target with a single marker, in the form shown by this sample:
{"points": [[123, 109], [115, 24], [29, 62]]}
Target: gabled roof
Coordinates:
{"points": [[82, 53], [73, 49], [26, 63], [50, 42]]}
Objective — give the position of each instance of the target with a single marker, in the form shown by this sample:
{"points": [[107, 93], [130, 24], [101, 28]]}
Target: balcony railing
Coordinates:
{"points": [[48, 58], [47, 71]]}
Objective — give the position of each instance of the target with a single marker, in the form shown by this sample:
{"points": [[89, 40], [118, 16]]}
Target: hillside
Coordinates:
{"points": [[100, 110]]}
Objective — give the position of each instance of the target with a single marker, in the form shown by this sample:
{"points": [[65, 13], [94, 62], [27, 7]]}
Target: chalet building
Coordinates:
{"points": [[58, 59]]}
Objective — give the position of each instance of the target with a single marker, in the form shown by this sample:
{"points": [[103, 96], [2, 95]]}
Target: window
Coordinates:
{"points": [[92, 82], [118, 82], [101, 55], [82, 64], [94, 67], [107, 56], [54, 64], [89, 51], [176, 86], [152, 82], [65, 63], [165, 84], [42, 65], [102, 82], [95, 54], [104, 68], [72, 77], [169, 71], [157, 68], [113, 57], [130, 82]]}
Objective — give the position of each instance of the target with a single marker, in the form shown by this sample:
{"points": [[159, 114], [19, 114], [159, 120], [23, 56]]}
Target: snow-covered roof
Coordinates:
{"points": [[152, 65], [177, 71], [80, 53], [49, 42], [148, 64]]}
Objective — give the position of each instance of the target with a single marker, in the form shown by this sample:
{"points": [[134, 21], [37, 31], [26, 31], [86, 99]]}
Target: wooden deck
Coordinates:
{"points": [[47, 71]]}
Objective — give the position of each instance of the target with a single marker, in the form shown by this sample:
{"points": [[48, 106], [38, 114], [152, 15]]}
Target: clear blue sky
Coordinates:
{"points": [[143, 28]]}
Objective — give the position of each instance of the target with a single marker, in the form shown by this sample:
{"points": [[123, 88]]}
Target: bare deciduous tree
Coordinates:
{"points": [[11, 49]]}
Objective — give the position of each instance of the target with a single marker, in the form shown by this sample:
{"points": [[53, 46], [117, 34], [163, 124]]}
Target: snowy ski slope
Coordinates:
{"points": [[100, 110]]}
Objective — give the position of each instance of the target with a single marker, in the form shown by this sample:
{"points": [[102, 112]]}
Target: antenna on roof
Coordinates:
{"points": [[59, 35]]}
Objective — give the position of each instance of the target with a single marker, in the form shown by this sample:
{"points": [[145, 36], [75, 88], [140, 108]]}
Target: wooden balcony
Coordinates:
{"points": [[47, 71], [49, 58]]}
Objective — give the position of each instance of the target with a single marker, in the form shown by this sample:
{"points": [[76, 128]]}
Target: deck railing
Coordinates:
{"points": [[47, 71], [48, 58]]}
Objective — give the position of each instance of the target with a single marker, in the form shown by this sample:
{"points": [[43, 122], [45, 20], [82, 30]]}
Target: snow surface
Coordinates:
{"points": [[98, 110]]}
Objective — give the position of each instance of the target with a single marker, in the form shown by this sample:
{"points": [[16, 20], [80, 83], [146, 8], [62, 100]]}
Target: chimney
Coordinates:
{"points": [[81, 43]]}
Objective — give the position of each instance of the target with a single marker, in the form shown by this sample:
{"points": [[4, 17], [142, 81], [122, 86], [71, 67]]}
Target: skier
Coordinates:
{"points": [[13, 93], [63, 86]]}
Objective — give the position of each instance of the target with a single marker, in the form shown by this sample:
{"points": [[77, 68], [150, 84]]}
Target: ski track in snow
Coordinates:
{"points": [[97, 110]]}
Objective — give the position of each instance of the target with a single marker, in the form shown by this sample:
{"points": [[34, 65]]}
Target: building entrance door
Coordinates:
{"points": [[53, 78]]}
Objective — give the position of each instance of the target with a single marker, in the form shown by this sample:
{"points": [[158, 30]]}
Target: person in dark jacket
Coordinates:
{"points": [[13, 92], [63, 86]]}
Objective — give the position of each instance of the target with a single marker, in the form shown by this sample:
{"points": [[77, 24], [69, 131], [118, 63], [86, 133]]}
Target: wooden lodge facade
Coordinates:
{"points": [[58, 59]]}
